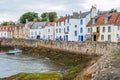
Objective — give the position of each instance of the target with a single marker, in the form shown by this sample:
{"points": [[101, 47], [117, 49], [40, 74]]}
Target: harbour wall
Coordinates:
{"points": [[98, 48]]}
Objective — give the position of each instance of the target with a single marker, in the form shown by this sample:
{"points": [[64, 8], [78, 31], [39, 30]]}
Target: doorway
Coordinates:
{"points": [[94, 38]]}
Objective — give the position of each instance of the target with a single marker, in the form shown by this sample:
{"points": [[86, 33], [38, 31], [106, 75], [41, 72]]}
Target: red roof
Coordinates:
{"points": [[5, 28], [113, 19], [62, 19], [50, 23]]}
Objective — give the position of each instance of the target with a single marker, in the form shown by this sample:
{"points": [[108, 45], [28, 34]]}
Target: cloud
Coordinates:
{"points": [[13, 9]]}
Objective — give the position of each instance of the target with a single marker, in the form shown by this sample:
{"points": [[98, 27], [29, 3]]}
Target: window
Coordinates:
{"points": [[64, 23], [5, 34], [118, 27], [75, 33], [68, 20], [48, 30], [81, 22], [48, 36], [106, 20], [56, 23], [39, 32], [59, 23], [109, 37], [109, 29], [75, 26], [117, 35], [103, 30], [89, 30], [67, 28], [56, 30], [60, 30], [102, 37], [35, 32], [81, 30], [31, 33]]}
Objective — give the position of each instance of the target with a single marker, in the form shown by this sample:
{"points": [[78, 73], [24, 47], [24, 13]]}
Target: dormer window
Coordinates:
{"points": [[107, 18]]}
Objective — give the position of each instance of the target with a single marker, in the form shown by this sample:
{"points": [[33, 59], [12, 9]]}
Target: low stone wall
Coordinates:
{"points": [[98, 48]]}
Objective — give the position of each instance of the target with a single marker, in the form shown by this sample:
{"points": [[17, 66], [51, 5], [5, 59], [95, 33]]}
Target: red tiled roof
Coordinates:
{"points": [[113, 18], [62, 19], [118, 20], [5, 28], [50, 23], [101, 19]]}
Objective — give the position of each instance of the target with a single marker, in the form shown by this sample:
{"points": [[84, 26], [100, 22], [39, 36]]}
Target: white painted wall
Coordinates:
{"points": [[59, 31], [34, 33], [4, 34], [71, 33], [48, 33], [116, 33]]}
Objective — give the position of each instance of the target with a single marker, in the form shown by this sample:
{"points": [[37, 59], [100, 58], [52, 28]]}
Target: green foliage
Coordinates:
{"points": [[30, 16], [48, 15], [34, 76], [5, 23], [113, 11], [116, 54]]}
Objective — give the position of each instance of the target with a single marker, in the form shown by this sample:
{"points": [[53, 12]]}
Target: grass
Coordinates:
{"points": [[116, 54], [35, 76]]}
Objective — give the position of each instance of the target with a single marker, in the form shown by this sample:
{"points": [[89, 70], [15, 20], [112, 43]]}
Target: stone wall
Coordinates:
{"points": [[98, 48]]}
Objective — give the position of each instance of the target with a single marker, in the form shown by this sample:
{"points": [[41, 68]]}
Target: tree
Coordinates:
{"points": [[113, 11], [48, 15], [5, 23], [30, 16]]}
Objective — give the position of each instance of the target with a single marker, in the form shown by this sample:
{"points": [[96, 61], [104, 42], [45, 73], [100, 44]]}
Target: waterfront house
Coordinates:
{"points": [[18, 31], [60, 28], [36, 30], [72, 27], [49, 31], [104, 27], [6, 31]]}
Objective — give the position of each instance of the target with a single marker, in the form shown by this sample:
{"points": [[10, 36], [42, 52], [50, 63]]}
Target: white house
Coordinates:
{"points": [[5, 32], [36, 30], [71, 29], [60, 28], [49, 31], [42, 30]]}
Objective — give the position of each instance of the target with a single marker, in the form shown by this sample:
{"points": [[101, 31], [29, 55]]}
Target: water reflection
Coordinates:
{"points": [[11, 64]]}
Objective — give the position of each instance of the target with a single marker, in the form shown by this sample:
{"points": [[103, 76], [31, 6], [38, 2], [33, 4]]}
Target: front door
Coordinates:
{"points": [[94, 38], [81, 38]]}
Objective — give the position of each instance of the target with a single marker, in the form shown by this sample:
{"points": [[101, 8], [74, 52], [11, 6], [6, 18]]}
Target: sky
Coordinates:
{"points": [[11, 10]]}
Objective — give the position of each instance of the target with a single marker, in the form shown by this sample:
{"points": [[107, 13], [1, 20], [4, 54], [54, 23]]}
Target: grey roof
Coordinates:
{"points": [[103, 12], [35, 25], [83, 15]]}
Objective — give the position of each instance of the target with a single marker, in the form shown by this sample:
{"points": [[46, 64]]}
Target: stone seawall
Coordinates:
{"points": [[98, 48]]}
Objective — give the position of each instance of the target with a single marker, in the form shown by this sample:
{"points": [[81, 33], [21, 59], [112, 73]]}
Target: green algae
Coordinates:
{"points": [[35, 76]]}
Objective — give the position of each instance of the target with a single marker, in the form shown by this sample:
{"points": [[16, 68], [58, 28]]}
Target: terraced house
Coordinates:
{"points": [[18, 31], [6, 31], [72, 27], [105, 27]]}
